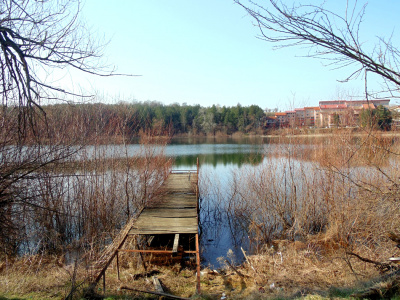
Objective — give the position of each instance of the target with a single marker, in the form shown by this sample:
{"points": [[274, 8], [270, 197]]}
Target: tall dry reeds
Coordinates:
{"points": [[65, 190], [343, 189]]}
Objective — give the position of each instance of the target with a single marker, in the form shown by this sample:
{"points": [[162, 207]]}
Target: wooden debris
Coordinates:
{"points": [[247, 259], [176, 243], [383, 267], [175, 213], [110, 252], [150, 240], [154, 293], [157, 285]]}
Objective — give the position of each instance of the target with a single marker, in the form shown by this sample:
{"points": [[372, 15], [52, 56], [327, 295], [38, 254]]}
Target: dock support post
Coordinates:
{"points": [[104, 282], [197, 165], [197, 169], [118, 266], [197, 186], [141, 255], [198, 263], [176, 244]]}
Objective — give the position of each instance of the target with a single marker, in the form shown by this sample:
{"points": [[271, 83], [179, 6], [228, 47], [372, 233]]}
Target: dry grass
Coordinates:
{"points": [[37, 277], [287, 270]]}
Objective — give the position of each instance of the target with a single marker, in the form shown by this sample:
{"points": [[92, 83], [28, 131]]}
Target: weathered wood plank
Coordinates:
{"points": [[157, 285], [175, 204], [180, 230], [170, 213], [165, 226], [164, 222], [176, 212], [176, 242]]}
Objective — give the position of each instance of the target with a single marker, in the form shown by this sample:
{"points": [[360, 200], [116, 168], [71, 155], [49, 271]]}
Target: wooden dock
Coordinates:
{"points": [[174, 213]]}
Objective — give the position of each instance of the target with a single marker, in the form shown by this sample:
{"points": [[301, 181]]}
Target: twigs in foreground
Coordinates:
{"points": [[153, 292], [383, 267]]}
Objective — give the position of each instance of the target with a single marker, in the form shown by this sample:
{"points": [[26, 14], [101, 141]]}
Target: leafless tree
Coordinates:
{"points": [[36, 38], [329, 36]]}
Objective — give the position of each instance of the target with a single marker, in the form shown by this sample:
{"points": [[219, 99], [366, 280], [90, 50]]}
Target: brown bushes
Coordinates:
{"points": [[343, 188], [61, 186]]}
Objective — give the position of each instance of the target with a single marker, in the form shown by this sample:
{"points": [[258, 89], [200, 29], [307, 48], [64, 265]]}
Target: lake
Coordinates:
{"points": [[225, 163], [252, 190], [218, 159]]}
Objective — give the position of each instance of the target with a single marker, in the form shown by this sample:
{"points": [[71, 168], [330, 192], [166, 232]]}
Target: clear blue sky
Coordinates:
{"points": [[206, 52]]}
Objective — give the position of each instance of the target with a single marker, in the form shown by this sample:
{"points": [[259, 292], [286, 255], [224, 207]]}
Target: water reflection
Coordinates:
{"points": [[236, 159], [219, 231], [219, 160], [215, 151]]}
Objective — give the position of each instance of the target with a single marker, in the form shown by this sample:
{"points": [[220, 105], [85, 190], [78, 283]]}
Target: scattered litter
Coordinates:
{"points": [[280, 254], [223, 297]]}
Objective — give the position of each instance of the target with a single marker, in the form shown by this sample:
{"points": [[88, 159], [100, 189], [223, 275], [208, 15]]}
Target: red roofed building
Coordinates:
{"points": [[328, 113], [281, 119], [344, 112], [333, 114], [300, 116], [311, 116], [291, 118]]}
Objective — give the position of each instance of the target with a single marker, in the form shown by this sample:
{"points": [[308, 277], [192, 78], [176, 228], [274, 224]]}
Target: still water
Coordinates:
{"points": [[218, 158]]}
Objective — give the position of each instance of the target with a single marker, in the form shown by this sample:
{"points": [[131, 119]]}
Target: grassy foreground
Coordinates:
{"points": [[287, 271]]}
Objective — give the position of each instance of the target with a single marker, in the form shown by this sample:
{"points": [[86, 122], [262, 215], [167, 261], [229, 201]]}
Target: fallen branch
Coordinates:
{"points": [[247, 259], [382, 266], [154, 293]]}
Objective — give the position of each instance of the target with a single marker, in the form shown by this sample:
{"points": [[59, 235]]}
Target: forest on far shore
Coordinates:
{"points": [[128, 120]]}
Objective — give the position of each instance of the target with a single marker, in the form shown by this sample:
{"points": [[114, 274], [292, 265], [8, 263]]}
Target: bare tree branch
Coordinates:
{"points": [[44, 35], [328, 36]]}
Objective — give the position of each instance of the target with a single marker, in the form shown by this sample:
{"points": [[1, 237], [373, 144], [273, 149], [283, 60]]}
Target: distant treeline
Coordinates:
{"points": [[132, 119]]}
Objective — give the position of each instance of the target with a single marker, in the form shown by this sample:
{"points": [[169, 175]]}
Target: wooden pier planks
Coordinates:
{"points": [[176, 213], [177, 210]]}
